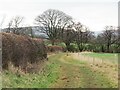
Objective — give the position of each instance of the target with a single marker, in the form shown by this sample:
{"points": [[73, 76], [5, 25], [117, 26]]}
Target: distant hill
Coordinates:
{"points": [[35, 31], [97, 32]]}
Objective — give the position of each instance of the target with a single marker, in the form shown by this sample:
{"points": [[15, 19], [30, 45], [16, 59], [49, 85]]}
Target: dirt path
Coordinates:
{"points": [[77, 72]]}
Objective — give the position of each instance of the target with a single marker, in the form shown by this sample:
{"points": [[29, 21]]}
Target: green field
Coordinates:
{"points": [[105, 56], [67, 72]]}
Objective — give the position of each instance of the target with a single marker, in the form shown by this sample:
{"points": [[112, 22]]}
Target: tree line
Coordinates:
{"points": [[60, 26]]}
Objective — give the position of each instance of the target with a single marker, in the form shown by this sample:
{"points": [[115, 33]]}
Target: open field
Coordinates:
{"points": [[67, 71], [113, 57]]}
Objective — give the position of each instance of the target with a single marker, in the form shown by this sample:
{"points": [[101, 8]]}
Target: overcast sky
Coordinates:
{"points": [[95, 14]]}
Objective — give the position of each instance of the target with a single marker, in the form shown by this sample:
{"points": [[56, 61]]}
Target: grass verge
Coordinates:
{"points": [[43, 79]]}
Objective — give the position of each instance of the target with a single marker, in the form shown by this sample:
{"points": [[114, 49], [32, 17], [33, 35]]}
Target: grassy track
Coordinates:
{"points": [[62, 71], [80, 74]]}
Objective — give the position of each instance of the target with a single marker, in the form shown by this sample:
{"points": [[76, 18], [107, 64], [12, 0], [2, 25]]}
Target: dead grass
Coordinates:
{"points": [[108, 68]]}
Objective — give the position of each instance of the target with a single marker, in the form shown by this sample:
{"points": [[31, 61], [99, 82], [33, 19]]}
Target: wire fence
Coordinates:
{"points": [[94, 60]]}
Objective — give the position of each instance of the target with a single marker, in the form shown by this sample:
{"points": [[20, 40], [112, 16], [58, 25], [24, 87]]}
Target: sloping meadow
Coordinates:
{"points": [[21, 50]]}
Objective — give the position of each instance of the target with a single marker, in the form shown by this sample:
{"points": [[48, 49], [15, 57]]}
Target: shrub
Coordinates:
{"points": [[55, 49], [73, 47], [88, 47], [114, 48], [21, 50], [62, 44]]}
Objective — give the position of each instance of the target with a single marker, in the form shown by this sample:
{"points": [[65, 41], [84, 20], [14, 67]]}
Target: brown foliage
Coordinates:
{"points": [[20, 50]]}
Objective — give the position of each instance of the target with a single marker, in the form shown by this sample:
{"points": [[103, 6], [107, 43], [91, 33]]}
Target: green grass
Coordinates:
{"points": [[72, 61], [89, 78], [0, 81], [95, 79], [41, 80], [48, 43], [105, 56], [77, 73]]}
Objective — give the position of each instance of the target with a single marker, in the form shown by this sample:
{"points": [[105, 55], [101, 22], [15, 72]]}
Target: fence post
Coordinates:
{"points": [[93, 61], [101, 61]]}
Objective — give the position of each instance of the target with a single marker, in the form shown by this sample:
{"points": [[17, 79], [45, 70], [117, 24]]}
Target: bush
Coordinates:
{"points": [[61, 44], [88, 47], [73, 48], [114, 48], [55, 49], [20, 50]]}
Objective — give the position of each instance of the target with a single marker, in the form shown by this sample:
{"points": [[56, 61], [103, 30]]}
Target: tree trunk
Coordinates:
{"points": [[102, 48], [67, 46], [80, 47], [108, 48], [53, 42]]}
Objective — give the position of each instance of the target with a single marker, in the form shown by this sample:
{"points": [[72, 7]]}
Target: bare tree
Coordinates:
{"points": [[78, 26], [118, 39], [17, 21], [99, 44], [69, 36], [83, 35], [109, 37], [14, 24], [118, 34], [1, 23], [79, 37], [53, 23], [10, 25]]}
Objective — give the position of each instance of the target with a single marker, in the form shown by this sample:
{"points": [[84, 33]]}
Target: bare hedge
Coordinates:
{"points": [[21, 49]]}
